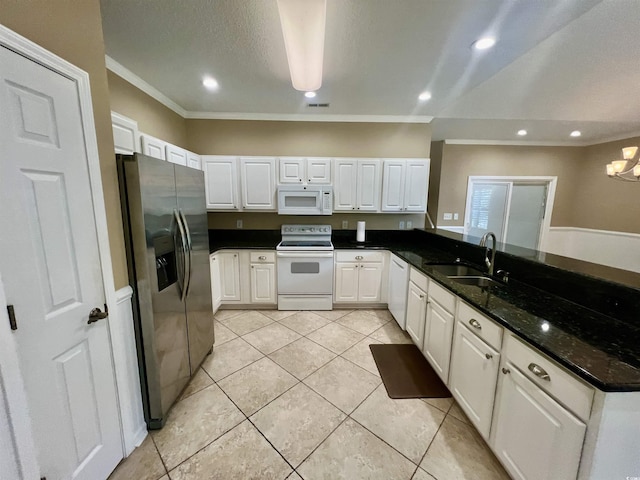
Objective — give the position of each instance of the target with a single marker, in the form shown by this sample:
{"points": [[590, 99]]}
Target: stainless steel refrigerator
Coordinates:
{"points": [[167, 243]]}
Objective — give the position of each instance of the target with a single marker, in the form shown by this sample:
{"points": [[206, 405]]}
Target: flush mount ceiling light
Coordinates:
{"points": [[575, 133], [625, 169], [522, 133], [424, 96], [484, 43], [303, 23], [210, 83], [310, 94]]}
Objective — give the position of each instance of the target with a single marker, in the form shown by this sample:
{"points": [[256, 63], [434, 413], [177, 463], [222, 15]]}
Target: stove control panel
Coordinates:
{"points": [[306, 230]]}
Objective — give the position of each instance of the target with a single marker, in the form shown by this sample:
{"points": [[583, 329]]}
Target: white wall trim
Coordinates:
{"points": [[134, 429], [31, 50], [136, 81], [301, 117], [519, 143], [606, 247]]}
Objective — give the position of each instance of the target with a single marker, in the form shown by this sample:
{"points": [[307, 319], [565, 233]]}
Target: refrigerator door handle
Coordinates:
{"points": [[189, 250], [183, 247]]}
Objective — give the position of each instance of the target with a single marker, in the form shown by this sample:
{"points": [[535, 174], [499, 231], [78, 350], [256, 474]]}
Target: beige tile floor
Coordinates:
{"points": [[296, 395]]}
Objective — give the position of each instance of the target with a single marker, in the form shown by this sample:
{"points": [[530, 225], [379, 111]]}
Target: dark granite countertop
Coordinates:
{"points": [[599, 348]]}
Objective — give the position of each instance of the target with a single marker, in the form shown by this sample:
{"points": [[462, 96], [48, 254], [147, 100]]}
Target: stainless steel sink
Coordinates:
{"points": [[455, 270], [477, 280]]}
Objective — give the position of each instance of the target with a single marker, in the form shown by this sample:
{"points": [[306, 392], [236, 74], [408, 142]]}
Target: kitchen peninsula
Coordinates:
{"points": [[585, 323]]}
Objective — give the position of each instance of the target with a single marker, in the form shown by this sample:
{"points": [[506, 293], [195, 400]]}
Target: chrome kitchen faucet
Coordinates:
{"points": [[483, 243]]}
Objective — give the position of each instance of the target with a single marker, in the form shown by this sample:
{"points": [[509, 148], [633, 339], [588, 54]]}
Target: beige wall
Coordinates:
{"points": [[600, 202], [326, 139], [73, 30], [434, 179], [461, 161], [152, 116]]}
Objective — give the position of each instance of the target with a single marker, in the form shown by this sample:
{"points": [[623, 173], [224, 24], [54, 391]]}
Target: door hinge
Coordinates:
{"points": [[12, 317]]}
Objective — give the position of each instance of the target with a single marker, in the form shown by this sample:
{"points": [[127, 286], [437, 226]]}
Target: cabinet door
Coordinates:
{"points": [[437, 338], [221, 182], [194, 160], [258, 183], [318, 170], [346, 286], [416, 186], [473, 378], [398, 283], [533, 435], [291, 170], [263, 283], [125, 134], [368, 196], [369, 282], [393, 182], [176, 155], [345, 183], [230, 276], [416, 310], [216, 282], [154, 147]]}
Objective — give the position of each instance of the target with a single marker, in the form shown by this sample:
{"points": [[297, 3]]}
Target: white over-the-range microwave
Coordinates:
{"points": [[305, 199]]}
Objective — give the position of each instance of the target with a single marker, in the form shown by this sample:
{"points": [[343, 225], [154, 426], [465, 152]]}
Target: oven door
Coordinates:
{"points": [[299, 201], [301, 273]]}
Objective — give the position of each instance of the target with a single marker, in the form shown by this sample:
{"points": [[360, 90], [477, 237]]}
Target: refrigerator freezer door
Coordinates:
{"points": [[192, 206]]}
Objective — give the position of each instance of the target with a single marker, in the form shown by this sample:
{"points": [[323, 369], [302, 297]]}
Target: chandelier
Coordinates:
{"points": [[627, 169]]}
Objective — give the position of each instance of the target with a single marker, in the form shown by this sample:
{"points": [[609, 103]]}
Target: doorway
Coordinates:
{"points": [[517, 209]]}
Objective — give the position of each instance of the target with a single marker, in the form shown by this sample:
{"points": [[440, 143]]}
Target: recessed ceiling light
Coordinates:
{"points": [[310, 94], [210, 83], [575, 133], [424, 96], [484, 43], [522, 133]]}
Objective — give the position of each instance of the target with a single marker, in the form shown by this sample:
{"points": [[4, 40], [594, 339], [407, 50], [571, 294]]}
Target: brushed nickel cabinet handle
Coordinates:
{"points": [[538, 371], [262, 257], [475, 324]]}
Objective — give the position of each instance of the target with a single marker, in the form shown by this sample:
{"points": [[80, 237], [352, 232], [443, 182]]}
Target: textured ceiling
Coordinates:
{"points": [[559, 65]]}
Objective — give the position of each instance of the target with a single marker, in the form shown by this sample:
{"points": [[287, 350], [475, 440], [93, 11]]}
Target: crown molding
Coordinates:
{"points": [[518, 143], [136, 81], [302, 117]]}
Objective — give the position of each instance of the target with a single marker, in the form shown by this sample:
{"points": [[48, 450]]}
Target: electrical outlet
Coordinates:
{"points": [[345, 224], [238, 223], [409, 224], [455, 216], [447, 216], [401, 225]]}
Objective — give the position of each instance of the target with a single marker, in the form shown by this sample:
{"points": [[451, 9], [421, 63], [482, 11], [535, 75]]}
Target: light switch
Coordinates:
{"points": [[409, 224], [455, 216], [447, 216], [401, 225]]}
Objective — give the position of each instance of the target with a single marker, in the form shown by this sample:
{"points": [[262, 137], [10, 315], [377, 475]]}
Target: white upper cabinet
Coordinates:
{"points": [[356, 185], [194, 160], [302, 170], [258, 177], [153, 147], [221, 182], [176, 154], [125, 134], [405, 185]]}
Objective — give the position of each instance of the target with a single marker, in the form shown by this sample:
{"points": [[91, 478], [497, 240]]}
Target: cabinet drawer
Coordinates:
{"points": [[480, 325], [441, 295], [359, 256], [419, 279], [263, 257], [560, 384]]}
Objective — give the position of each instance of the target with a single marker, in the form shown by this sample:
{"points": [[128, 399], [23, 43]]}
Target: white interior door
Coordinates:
{"points": [[50, 265]]}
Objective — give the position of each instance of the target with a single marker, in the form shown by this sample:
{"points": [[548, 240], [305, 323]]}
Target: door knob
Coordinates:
{"points": [[97, 314]]}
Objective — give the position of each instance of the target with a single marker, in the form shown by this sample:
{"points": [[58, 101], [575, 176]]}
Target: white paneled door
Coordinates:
{"points": [[50, 266]]}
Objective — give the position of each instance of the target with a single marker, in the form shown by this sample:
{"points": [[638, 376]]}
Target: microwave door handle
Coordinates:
{"points": [[189, 251]]}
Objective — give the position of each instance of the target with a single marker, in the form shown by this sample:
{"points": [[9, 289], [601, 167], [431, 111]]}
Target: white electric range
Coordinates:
{"points": [[305, 268]]}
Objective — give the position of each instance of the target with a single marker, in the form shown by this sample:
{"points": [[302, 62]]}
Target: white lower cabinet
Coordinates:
{"points": [[416, 306], [358, 276], [216, 285], [438, 331], [230, 276], [534, 436], [473, 378], [263, 277]]}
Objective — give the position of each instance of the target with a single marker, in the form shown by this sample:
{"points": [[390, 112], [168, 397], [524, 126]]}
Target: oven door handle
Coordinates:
{"points": [[304, 254]]}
